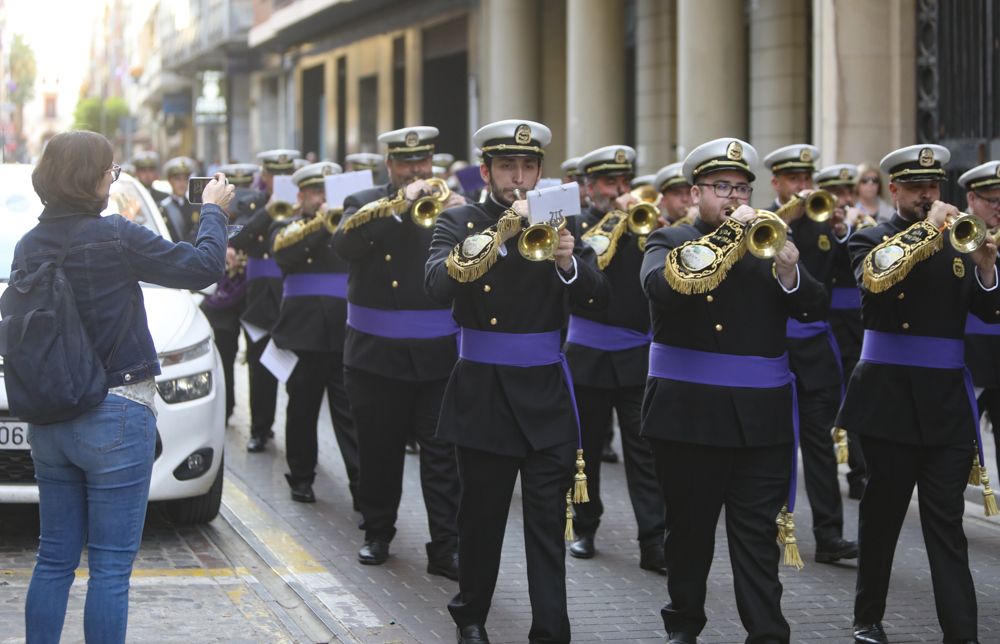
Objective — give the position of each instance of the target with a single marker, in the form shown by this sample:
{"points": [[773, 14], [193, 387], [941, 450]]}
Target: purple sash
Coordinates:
{"points": [[402, 324], [260, 268], [604, 337], [728, 370], [803, 330], [324, 284], [927, 352], [845, 298], [519, 350], [975, 326]]}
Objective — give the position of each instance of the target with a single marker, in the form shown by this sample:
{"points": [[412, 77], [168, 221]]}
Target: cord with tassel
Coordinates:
{"points": [[568, 535], [989, 499], [786, 537], [840, 442], [580, 480], [974, 473]]}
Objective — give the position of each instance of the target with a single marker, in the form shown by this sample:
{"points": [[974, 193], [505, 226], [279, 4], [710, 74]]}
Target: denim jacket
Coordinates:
{"points": [[105, 264]]}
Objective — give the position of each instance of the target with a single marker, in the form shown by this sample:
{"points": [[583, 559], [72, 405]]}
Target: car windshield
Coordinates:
{"points": [[20, 207]]}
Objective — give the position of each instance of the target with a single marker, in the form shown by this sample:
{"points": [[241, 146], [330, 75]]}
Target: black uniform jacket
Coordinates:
{"points": [[386, 258], [263, 294], [501, 409], [310, 322], [628, 308], [914, 405], [982, 356], [181, 217], [846, 323], [815, 364], [745, 315]]}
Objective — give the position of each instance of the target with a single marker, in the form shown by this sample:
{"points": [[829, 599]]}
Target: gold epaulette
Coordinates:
{"points": [[700, 265], [891, 261], [378, 209], [471, 259], [603, 237]]}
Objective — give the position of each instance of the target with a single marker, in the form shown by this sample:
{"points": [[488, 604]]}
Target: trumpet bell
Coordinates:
{"points": [[538, 242], [427, 208], [967, 233], [766, 235], [646, 194], [280, 210], [643, 218], [820, 205]]}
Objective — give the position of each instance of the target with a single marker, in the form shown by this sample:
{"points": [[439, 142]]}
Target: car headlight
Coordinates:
{"points": [[187, 388], [185, 354]]}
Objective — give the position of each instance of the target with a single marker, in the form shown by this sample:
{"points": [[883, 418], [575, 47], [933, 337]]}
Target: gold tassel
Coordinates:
{"points": [[792, 556], [840, 440], [580, 480], [975, 474], [727, 244], [918, 242], [568, 535], [989, 499], [378, 209]]}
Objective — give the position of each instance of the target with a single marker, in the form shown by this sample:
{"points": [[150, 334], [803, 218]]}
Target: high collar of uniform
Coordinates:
{"points": [[703, 227], [898, 222], [494, 207]]}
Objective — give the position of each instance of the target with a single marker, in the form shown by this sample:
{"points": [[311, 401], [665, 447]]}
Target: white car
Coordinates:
{"points": [[191, 394]]}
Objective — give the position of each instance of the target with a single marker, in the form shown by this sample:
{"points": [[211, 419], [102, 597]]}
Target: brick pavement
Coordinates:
{"points": [[609, 597]]}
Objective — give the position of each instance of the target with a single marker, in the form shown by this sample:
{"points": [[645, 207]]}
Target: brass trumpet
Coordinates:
{"points": [[766, 234], [427, 208], [539, 242], [280, 210], [295, 232], [819, 205], [966, 232], [647, 194], [643, 218]]}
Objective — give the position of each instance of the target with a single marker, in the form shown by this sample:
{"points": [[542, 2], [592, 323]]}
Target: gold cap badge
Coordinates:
{"points": [[412, 139], [805, 155], [620, 156], [327, 169], [522, 135], [845, 174], [926, 158], [734, 151]]}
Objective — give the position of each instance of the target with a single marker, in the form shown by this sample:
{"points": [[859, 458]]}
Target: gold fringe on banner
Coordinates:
{"points": [[891, 261], [378, 209], [580, 480], [611, 227], [700, 265], [474, 257], [840, 442]]}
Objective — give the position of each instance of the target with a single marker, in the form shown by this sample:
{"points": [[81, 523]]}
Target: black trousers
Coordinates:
{"points": [[817, 413], [697, 481], [317, 373], [941, 473], [595, 406], [263, 389], [857, 472], [227, 342], [387, 411], [989, 403], [487, 485]]}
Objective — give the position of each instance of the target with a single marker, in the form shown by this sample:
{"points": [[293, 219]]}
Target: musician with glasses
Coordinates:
{"points": [[719, 398], [509, 406], [909, 398], [399, 349], [812, 347], [982, 341], [608, 353]]}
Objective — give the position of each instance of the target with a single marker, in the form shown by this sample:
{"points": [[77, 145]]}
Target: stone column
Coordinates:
{"points": [[595, 74], [656, 84], [865, 69], [780, 82], [553, 82], [712, 79], [512, 88]]}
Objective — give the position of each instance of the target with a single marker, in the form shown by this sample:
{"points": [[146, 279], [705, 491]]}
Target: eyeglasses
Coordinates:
{"points": [[869, 180], [115, 171], [994, 202], [724, 190]]}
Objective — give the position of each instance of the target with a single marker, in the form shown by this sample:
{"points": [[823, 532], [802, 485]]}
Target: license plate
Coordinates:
{"points": [[13, 434]]}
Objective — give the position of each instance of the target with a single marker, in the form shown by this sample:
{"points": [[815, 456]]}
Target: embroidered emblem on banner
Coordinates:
{"points": [[700, 265], [892, 260]]}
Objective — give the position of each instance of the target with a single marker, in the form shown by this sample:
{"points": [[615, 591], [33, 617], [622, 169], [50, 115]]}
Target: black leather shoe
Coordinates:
{"points": [[835, 550], [446, 566], [256, 444], [472, 634], [374, 553], [651, 558], [681, 637], [870, 634], [302, 491], [583, 547]]}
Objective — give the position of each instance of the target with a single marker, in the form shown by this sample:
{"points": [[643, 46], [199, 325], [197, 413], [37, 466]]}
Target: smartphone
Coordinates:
{"points": [[196, 186]]}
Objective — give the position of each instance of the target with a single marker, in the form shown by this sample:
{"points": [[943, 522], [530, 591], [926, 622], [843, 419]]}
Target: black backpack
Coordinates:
{"points": [[51, 369]]}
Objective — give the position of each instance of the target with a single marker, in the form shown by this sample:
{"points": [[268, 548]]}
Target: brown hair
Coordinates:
{"points": [[70, 170], [864, 169]]}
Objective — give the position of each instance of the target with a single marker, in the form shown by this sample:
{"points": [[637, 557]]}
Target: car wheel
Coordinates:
{"points": [[199, 509]]}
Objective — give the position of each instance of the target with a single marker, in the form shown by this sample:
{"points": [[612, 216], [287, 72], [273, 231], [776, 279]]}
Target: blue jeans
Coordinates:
{"points": [[93, 483]]}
